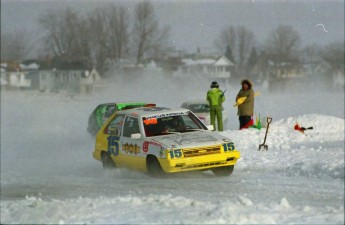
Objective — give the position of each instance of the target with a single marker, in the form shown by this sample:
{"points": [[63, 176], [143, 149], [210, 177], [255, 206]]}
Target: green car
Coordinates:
{"points": [[103, 111]]}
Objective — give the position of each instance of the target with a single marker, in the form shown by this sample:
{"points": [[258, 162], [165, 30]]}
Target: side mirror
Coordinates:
{"points": [[210, 127], [136, 136]]}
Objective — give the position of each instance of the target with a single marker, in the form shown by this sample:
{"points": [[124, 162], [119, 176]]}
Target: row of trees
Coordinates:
{"points": [[283, 45], [112, 34], [105, 33]]}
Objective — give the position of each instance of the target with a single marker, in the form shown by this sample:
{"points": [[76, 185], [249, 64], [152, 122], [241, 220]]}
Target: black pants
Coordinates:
{"points": [[244, 120]]}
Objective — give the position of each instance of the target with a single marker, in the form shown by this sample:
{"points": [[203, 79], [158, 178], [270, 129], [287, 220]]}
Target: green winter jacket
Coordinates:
{"points": [[215, 97], [247, 107]]}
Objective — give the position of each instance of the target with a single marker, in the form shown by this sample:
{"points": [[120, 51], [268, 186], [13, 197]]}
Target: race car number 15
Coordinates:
{"points": [[177, 153], [113, 145], [228, 146]]}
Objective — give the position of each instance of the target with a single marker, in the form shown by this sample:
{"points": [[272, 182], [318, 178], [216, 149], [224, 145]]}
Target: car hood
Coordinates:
{"points": [[191, 139]]}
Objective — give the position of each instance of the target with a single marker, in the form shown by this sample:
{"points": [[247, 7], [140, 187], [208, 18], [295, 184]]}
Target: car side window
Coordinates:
{"points": [[115, 126], [110, 111], [131, 126]]}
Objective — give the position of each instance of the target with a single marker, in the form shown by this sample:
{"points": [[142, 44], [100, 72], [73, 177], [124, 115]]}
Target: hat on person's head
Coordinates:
{"points": [[247, 82], [214, 84]]}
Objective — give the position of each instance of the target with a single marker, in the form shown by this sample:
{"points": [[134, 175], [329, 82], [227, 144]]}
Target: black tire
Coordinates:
{"points": [[153, 166], [107, 161], [223, 171]]}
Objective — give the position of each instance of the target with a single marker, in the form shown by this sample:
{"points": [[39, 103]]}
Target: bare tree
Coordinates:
{"points": [[65, 35], [241, 41], [245, 44], [283, 45], [118, 32], [72, 27], [15, 46], [109, 35], [334, 54], [52, 24], [84, 43], [311, 54], [99, 34], [147, 35], [227, 38]]}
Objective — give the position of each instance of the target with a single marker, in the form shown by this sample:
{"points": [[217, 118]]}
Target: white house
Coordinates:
{"points": [[152, 68], [221, 68], [211, 69], [17, 79]]}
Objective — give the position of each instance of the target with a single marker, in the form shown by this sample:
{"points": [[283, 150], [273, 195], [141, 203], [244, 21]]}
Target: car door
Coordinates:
{"points": [[131, 149]]}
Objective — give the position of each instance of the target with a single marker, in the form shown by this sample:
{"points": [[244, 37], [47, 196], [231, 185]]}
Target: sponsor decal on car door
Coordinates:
{"points": [[131, 146]]}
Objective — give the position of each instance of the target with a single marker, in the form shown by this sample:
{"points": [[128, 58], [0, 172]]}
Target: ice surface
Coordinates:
{"points": [[48, 174]]}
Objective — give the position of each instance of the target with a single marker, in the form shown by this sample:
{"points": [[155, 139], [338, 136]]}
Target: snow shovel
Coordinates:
{"points": [[269, 120], [242, 99]]}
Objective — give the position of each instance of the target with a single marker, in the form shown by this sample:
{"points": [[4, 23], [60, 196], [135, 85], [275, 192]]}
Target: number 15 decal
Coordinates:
{"points": [[177, 153], [228, 146], [113, 145]]}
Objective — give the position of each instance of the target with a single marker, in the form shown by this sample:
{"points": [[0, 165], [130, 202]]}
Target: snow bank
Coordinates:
{"points": [[316, 153], [161, 209]]}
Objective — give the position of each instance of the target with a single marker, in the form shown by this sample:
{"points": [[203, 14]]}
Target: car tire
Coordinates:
{"points": [[223, 171], [153, 166], [106, 160]]}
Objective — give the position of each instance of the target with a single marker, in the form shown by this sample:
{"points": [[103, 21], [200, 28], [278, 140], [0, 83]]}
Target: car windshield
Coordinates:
{"points": [[164, 125], [199, 108]]}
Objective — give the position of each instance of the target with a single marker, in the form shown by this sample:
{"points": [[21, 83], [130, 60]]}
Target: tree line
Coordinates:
{"points": [[112, 34], [104, 34]]}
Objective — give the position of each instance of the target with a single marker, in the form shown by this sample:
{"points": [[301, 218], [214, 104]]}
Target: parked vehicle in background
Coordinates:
{"points": [[202, 110], [103, 111], [160, 140]]}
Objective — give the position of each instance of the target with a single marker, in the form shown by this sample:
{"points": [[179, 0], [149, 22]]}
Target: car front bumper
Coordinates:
{"points": [[199, 162]]}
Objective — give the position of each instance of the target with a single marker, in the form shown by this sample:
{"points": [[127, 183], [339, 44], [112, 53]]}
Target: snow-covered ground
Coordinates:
{"points": [[48, 174]]}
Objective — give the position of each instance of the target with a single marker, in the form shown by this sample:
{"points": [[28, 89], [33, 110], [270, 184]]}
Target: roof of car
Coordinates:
{"points": [[153, 111], [121, 105]]}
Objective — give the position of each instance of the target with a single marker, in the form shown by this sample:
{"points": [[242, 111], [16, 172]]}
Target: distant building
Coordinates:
{"points": [[69, 78], [219, 69], [152, 68], [13, 77]]}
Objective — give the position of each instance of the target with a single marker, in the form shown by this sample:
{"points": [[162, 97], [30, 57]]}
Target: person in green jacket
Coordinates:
{"points": [[246, 109], [215, 98]]}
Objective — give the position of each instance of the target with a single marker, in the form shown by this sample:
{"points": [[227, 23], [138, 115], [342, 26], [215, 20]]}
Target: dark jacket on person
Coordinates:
{"points": [[247, 107]]}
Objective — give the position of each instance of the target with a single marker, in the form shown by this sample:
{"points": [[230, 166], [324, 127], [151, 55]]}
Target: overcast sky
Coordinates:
{"points": [[197, 23]]}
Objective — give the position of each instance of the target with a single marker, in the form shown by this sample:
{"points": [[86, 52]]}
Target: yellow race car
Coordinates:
{"points": [[159, 140]]}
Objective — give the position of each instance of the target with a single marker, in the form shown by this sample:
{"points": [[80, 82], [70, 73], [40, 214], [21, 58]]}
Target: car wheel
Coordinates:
{"points": [[223, 171], [153, 166], [107, 162]]}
